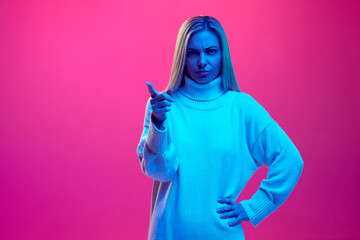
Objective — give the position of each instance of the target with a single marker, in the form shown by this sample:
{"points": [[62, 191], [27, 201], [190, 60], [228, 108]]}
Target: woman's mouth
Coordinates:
{"points": [[202, 73]]}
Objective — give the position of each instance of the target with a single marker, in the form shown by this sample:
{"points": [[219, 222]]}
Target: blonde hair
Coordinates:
{"points": [[189, 27]]}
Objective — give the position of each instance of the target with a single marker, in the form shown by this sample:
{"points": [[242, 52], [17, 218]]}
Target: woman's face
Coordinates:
{"points": [[203, 57]]}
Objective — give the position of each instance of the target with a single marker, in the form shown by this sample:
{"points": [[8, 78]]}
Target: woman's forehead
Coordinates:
{"points": [[203, 39]]}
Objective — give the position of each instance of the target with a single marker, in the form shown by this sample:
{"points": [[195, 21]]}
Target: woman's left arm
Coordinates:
{"points": [[273, 149]]}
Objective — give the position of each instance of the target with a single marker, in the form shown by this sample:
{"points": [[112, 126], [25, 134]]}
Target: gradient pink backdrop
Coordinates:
{"points": [[73, 94]]}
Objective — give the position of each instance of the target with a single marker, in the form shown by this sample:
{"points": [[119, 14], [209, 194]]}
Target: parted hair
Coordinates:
{"points": [[189, 27]]}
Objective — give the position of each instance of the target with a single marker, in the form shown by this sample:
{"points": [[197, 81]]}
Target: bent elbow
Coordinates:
{"points": [[297, 161], [161, 175], [157, 170], [298, 167], [300, 163]]}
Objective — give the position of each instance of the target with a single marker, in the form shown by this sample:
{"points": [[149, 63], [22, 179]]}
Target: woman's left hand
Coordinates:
{"points": [[232, 210]]}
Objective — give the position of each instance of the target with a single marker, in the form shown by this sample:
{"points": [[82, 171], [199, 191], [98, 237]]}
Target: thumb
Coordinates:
{"points": [[152, 90]]}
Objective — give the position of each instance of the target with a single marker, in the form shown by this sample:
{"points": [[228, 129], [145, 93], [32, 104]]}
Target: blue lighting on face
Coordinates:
{"points": [[203, 57]]}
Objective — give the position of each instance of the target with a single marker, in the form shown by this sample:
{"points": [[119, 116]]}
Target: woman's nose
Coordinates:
{"points": [[202, 60]]}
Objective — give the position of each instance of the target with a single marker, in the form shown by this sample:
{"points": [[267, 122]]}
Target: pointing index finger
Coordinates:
{"points": [[152, 90]]}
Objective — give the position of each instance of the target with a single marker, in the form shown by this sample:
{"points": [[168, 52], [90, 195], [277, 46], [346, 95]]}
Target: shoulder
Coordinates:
{"points": [[241, 96], [249, 107], [245, 100]]}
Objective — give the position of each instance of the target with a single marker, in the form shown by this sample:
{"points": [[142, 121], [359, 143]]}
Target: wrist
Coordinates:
{"points": [[158, 124], [243, 213]]}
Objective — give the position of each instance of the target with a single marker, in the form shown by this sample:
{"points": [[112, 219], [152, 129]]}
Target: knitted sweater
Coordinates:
{"points": [[213, 142]]}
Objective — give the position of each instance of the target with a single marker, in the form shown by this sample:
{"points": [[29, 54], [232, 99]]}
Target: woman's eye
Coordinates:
{"points": [[211, 51]]}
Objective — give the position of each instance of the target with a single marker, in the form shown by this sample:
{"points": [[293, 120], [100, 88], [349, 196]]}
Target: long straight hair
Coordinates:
{"points": [[189, 27]]}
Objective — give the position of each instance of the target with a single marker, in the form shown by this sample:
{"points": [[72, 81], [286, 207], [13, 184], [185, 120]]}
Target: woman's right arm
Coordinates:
{"points": [[156, 150]]}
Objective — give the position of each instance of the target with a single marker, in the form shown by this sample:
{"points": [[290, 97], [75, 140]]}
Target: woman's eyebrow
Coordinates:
{"points": [[205, 48], [211, 47]]}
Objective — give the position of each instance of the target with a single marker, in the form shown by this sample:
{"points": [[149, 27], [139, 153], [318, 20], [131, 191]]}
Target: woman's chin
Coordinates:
{"points": [[203, 80]]}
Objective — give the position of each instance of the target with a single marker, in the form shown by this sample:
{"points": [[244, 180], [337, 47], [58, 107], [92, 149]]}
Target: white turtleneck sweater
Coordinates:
{"points": [[213, 142]]}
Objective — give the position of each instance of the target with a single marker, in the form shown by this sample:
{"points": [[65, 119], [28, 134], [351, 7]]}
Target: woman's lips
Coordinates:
{"points": [[202, 73]]}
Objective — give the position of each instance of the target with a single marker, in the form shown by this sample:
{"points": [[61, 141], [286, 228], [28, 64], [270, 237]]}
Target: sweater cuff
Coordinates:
{"points": [[258, 207], [158, 140]]}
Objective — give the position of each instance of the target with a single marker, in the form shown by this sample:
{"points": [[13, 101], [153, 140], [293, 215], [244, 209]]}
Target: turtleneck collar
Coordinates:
{"points": [[202, 92]]}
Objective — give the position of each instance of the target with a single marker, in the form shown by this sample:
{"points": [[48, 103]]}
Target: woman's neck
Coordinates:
{"points": [[202, 92]]}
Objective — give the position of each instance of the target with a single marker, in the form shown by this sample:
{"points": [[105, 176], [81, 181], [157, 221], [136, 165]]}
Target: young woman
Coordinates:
{"points": [[202, 141]]}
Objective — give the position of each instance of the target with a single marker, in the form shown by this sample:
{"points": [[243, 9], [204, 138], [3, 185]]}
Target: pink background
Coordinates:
{"points": [[73, 94]]}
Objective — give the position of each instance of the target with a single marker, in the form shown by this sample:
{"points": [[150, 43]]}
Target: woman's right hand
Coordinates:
{"points": [[160, 104]]}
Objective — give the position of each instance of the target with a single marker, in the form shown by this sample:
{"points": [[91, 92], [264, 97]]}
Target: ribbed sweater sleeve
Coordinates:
{"points": [[275, 150], [156, 150]]}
